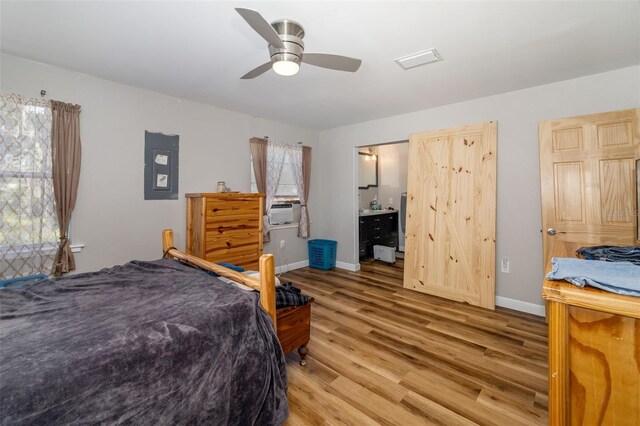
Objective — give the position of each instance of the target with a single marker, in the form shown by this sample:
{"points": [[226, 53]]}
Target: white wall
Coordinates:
{"points": [[517, 114], [117, 224], [393, 163], [111, 216]]}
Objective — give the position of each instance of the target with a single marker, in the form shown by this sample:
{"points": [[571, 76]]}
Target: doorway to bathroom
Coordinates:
{"points": [[381, 188]]}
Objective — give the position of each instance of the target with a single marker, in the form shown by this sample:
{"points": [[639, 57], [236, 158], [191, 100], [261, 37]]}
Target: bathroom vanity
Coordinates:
{"points": [[377, 227]]}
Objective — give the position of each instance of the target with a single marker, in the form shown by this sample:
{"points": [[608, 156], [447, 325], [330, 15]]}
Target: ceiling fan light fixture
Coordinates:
{"points": [[286, 68]]}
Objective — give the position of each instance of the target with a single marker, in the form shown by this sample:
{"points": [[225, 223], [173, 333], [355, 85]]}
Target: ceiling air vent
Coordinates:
{"points": [[419, 58]]}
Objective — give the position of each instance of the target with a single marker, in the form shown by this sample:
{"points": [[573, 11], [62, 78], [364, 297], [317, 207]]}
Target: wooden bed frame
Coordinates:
{"points": [[266, 285], [292, 324]]}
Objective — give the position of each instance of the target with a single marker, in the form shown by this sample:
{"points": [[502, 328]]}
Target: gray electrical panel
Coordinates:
{"points": [[160, 166]]}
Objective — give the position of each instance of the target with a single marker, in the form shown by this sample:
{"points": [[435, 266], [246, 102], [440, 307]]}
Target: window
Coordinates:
{"points": [[287, 189], [28, 225]]}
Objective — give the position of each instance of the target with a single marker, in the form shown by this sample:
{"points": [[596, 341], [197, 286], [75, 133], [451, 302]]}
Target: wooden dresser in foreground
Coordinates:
{"points": [[594, 353], [225, 227]]}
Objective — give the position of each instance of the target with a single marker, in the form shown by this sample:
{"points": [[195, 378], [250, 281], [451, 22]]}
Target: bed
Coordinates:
{"points": [[143, 343]]}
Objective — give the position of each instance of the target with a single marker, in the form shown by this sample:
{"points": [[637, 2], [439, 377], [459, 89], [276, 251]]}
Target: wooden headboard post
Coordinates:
{"points": [[266, 285]]}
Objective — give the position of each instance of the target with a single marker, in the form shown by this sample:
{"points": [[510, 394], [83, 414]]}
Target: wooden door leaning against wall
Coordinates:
{"points": [[451, 214], [587, 171]]}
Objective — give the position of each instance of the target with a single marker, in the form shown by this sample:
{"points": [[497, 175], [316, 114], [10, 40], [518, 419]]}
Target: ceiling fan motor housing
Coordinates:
{"points": [[291, 33], [286, 48]]}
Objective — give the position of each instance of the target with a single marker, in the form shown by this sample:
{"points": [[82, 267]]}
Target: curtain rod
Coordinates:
{"points": [[297, 143]]}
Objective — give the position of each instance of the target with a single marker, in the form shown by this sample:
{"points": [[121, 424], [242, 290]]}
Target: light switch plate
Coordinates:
{"points": [[505, 265]]}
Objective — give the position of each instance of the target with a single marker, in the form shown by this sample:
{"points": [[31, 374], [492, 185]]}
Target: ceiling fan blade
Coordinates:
{"points": [[261, 26], [334, 62], [257, 71]]}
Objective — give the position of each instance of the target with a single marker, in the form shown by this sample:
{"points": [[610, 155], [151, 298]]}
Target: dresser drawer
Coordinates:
{"points": [[225, 227], [247, 257], [220, 230], [237, 239], [376, 231], [232, 211]]}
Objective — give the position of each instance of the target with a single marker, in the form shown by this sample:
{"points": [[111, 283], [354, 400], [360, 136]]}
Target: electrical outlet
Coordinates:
{"points": [[390, 200], [283, 243], [505, 265]]}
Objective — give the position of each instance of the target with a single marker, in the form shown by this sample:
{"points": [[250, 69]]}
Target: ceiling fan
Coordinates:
{"points": [[287, 49]]}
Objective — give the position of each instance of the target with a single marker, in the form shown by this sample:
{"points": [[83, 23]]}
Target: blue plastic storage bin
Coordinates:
{"points": [[322, 254]]}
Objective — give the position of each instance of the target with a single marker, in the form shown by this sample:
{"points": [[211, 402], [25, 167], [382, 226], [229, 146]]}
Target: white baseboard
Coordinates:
{"points": [[304, 263], [505, 302], [353, 267], [521, 306], [292, 266]]}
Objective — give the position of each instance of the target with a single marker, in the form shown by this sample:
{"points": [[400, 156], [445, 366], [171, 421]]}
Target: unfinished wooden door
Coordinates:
{"points": [[451, 214], [587, 172]]}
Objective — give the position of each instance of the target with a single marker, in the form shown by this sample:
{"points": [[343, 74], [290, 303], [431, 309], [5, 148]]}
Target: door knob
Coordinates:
{"points": [[551, 231]]}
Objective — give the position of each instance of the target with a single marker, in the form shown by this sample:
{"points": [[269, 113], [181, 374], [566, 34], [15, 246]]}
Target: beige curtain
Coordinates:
{"points": [[65, 147], [259, 159], [303, 193]]}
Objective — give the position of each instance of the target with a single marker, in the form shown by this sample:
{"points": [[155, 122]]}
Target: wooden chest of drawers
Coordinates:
{"points": [[225, 227]]}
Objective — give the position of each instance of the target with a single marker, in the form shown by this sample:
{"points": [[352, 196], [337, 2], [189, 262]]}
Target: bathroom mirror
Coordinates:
{"points": [[367, 170]]}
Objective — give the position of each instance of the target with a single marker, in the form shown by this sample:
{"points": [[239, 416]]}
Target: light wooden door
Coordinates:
{"points": [[451, 214], [587, 172]]}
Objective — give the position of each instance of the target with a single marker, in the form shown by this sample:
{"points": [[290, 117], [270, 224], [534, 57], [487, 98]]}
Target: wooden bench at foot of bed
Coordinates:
{"points": [[294, 327]]}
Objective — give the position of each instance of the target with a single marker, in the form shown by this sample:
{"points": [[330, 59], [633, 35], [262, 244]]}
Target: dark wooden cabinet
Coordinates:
{"points": [[378, 229], [294, 329]]}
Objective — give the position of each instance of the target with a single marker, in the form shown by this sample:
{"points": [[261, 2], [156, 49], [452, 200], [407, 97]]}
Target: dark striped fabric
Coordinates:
{"points": [[288, 295]]}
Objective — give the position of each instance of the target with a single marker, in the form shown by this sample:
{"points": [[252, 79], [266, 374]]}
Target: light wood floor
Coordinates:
{"points": [[383, 354]]}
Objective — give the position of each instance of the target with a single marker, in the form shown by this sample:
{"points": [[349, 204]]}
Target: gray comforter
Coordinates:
{"points": [[143, 343]]}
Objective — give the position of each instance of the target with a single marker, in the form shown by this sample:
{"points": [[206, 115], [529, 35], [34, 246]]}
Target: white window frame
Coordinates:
{"points": [[279, 198]]}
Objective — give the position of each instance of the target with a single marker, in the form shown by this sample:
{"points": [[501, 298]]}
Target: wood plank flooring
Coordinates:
{"points": [[381, 354]]}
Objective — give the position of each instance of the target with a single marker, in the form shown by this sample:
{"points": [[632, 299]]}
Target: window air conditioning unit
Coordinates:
{"points": [[281, 214]]}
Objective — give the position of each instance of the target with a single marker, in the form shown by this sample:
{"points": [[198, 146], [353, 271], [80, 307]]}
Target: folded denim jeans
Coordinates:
{"points": [[611, 253], [616, 277]]}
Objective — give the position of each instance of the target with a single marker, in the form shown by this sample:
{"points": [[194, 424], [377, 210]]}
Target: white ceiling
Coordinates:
{"points": [[199, 50]]}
